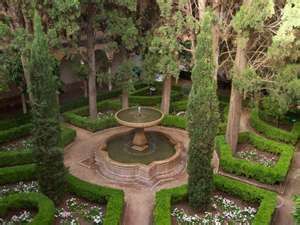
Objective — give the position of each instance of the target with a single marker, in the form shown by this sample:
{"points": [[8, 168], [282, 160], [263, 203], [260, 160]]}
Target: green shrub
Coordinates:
{"points": [[174, 121], [297, 210], [77, 118], [112, 197], [179, 106], [19, 157], [15, 132], [44, 206], [17, 173], [17, 121], [269, 175], [274, 132], [266, 199]]}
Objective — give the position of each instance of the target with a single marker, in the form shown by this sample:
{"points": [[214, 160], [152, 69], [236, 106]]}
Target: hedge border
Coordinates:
{"points": [[267, 200], [75, 117], [18, 157], [270, 175], [45, 207], [15, 132], [274, 133]]}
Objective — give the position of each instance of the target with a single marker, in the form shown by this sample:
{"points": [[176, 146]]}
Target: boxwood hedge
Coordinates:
{"points": [[274, 132], [270, 175], [266, 200], [44, 206], [20, 156]]}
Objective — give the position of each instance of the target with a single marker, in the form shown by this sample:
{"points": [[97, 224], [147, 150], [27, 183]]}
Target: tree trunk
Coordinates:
{"points": [[166, 95], [215, 38], [125, 103], [235, 106], [91, 62], [23, 100], [24, 61], [109, 79]]}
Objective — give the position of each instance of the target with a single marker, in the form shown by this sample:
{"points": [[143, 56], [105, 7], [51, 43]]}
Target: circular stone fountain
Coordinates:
{"points": [[140, 151], [139, 118]]}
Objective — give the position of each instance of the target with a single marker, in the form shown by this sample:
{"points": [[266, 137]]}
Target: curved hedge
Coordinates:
{"points": [[113, 198], [15, 132], [266, 199], [274, 132], [45, 207], [270, 175], [78, 117], [14, 174]]}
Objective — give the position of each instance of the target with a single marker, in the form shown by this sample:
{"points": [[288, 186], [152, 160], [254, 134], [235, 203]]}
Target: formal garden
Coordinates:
{"points": [[150, 112]]}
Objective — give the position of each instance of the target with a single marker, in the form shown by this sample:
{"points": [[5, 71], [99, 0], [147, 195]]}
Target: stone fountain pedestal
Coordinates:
{"points": [[139, 141]]}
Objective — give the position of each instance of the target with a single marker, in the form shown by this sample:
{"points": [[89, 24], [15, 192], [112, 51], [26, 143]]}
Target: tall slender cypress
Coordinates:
{"points": [[203, 118], [46, 131]]}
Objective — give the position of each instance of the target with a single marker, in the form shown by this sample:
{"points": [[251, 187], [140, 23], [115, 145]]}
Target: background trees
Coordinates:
{"points": [[202, 115], [46, 128]]}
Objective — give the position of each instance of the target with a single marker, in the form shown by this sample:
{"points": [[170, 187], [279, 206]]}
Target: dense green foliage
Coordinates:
{"points": [[15, 133], [297, 210], [36, 201], [45, 111], [202, 117], [17, 173], [21, 156], [269, 175], [266, 199], [274, 132]]}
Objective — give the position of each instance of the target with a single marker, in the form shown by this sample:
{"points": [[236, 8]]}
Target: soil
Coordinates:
{"points": [[189, 211], [247, 147], [18, 212], [82, 221], [15, 144]]}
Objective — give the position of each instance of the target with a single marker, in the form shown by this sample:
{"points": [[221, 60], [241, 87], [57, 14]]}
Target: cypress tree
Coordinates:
{"points": [[46, 131], [203, 118]]}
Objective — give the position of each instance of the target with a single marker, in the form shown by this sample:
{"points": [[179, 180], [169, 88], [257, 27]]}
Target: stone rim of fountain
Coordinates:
{"points": [[139, 124]]}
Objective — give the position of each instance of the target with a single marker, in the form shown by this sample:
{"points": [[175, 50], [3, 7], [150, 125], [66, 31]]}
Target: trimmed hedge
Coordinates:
{"points": [[15, 132], [77, 118], [174, 121], [270, 175], [267, 200], [274, 132], [113, 198], [17, 173], [44, 206], [19, 157], [17, 121]]}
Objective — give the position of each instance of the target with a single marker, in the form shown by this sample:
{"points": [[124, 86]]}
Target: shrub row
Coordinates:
{"points": [[17, 173], [266, 199], [44, 206], [17, 121], [259, 172], [15, 132], [19, 157], [113, 198], [274, 132], [77, 118]]}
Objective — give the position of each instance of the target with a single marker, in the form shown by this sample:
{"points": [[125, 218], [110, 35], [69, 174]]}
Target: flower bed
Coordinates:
{"points": [[224, 210], [274, 132], [265, 199], [21, 186], [270, 175]]}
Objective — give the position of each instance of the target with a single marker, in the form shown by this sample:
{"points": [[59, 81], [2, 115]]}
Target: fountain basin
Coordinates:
{"points": [[148, 174]]}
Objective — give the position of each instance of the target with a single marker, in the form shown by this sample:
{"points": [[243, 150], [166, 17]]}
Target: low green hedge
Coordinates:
{"points": [[17, 121], [270, 175], [113, 198], [44, 206], [17, 173], [77, 118], [274, 132], [19, 157], [174, 121], [266, 199], [15, 132]]}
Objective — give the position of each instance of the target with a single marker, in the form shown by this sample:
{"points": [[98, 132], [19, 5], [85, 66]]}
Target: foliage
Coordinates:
{"points": [[15, 132], [266, 199], [203, 118], [17, 173], [46, 128], [44, 206], [274, 132], [174, 121], [297, 209], [113, 197], [269, 175]]}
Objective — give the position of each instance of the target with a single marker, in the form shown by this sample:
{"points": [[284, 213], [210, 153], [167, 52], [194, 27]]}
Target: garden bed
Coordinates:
{"points": [[224, 209], [264, 202], [242, 167]]}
